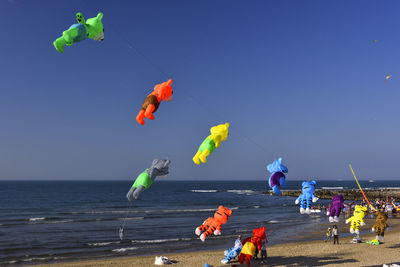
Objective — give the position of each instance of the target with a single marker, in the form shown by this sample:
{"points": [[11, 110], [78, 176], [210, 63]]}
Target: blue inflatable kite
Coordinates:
{"points": [[232, 253], [277, 177], [307, 197]]}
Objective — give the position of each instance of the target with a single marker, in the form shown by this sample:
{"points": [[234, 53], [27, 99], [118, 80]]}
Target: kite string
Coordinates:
{"points": [[164, 73], [121, 228], [359, 186]]}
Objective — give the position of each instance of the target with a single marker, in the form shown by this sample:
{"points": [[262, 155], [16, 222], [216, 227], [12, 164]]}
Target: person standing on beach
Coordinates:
{"points": [[328, 234], [335, 233], [264, 250]]}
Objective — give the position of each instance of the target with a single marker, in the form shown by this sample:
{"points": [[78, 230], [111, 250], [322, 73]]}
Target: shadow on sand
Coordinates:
{"points": [[302, 261], [395, 246]]}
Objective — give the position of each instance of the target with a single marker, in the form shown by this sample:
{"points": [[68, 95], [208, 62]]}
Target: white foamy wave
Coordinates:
{"points": [[316, 211], [160, 240], [61, 221], [182, 210], [243, 231], [106, 211], [131, 219], [256, 207], [124, 249], [37, 219], [101, 244], [204, 191], [277, 221], [242, 192], [36, 259]]}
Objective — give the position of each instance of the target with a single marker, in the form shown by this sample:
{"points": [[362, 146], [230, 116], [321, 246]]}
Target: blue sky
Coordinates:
{"points": [[297, 79]]}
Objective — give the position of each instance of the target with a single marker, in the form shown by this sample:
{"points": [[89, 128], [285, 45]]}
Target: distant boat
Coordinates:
{"points": [[371, 181]]}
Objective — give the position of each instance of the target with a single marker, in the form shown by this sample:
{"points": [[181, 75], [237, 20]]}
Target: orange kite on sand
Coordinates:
{"points": [[162, 91]]}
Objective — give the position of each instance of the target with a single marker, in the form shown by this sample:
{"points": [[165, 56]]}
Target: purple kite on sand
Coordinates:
{"points": [[335, 209]]}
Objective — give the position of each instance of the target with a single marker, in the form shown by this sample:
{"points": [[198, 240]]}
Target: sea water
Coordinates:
{"points": [[47, 221]]}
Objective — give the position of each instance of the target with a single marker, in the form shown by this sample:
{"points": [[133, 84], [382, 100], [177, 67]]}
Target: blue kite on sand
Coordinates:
{"points": [[232, 253]]}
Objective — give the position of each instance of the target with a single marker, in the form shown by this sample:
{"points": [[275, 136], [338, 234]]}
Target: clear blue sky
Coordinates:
{"points": [[297, 79]]}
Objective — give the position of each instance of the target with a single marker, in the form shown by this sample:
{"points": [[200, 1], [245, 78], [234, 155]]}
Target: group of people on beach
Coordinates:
{"points": [[332, 232], [380, 209]]}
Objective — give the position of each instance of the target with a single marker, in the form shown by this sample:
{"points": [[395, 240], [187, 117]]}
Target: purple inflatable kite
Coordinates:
{"points": [[335, 209]]}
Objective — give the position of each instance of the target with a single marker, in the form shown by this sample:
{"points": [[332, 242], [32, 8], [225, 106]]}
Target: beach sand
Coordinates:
{"points": [[315, 253]]}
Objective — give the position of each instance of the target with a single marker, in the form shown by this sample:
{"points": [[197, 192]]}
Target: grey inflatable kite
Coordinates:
{"points": [[159, 167]]}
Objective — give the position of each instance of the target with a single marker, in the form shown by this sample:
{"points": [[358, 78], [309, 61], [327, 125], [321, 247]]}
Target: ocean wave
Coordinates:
{"points": [[124, 249], [256, 207], [160, 240], [37, 219], [195, 210], [131, 219], [188, 210], [204, 191], [278, 221], [104, 212], [242, 192], [242, 231], [38, 259], [44, 220], [101, 244], [61, 221]]}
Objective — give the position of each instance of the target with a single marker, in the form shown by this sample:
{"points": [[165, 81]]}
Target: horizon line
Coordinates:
{"points": [[180, 179]]}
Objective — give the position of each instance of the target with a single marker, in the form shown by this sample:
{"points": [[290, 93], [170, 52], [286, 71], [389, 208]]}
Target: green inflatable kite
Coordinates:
{"points": [[92, 28], [159, 167]]}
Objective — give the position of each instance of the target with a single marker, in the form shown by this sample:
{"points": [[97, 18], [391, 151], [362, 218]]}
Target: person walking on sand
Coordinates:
{"points": [[335, 233], [328, 234], [264, 250]]}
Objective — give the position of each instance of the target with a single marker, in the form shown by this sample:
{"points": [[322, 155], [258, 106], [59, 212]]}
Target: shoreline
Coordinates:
{"points": [[299, 253], [348, 194]]}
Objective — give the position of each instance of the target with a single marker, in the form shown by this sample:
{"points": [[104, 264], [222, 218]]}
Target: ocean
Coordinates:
{"points": [[49, 221]]}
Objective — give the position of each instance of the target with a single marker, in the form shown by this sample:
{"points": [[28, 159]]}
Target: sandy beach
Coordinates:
{"points": [[315, 253]]}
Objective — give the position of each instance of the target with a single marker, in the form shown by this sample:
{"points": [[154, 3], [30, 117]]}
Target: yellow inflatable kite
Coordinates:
{"points": [[219, 133], [357, 219]]}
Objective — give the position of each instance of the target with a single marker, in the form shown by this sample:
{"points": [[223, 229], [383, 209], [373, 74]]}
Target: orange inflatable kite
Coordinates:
{"points": [[213, 225], [162, 91]]}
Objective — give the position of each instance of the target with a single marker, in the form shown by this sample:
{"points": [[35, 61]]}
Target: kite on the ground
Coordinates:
{"points": [[380, 225], [251, 244], [233, 252]]}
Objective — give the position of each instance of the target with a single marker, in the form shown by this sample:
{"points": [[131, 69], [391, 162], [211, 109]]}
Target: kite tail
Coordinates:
{"points": [[359, 186]]}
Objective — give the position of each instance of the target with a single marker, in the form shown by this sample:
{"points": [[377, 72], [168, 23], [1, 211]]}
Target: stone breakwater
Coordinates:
{"points": [[348, 194]]}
